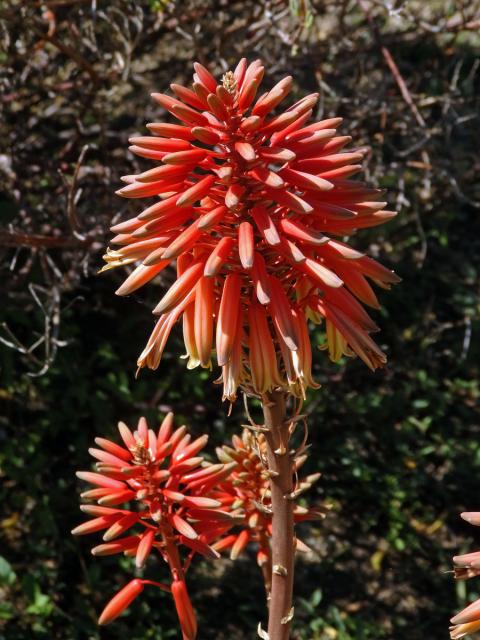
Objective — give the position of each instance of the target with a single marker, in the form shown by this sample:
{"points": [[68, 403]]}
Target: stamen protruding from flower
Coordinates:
{"points": [[229, 83]]}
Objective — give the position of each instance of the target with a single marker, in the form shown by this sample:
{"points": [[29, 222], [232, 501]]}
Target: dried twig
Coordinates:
{"points": [[38, 240], [73, 195], [69, 52], [392, 65]]}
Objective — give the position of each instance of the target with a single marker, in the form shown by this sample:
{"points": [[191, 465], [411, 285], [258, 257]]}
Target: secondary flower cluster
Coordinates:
{"points": [[246, 493], [162, 474], [467, 566], [251, 206]]}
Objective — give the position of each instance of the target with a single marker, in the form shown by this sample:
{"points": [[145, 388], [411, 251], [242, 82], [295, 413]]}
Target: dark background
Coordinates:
{"points": [[398, 449]]}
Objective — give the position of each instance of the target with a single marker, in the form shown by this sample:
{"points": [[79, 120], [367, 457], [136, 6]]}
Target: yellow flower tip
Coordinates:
{"points": [[192, 363]]}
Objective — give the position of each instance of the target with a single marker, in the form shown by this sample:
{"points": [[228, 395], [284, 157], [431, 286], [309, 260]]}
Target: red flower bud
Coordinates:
{"points": [[185, 612], [121, 601]]}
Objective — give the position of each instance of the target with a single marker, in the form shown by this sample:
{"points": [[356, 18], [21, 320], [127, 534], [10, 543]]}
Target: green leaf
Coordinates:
{"points": [[7, 574]]}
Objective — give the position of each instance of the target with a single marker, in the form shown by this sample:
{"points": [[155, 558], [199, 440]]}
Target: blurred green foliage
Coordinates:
{"points": [[398, 450]]}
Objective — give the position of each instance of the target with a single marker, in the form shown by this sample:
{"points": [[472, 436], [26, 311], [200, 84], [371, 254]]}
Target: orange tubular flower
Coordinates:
{"points": [[246, 494], [467, 566], [162, 472], [249, 205]]}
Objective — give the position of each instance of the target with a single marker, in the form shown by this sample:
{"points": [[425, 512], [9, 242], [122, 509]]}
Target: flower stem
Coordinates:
{"points": [[267, 564], [173, 556], [280, 465]]}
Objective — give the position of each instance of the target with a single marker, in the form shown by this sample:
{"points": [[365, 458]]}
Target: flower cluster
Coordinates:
{"points": [[246, 493], [467, 566], [251, 206], [162, 474]]}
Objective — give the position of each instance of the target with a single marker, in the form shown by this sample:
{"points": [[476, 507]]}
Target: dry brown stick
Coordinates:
{"points": [[280, 466], [72, 192], [392, 65], [402, 85], [69, 52], [38, 241], [14, 343]]}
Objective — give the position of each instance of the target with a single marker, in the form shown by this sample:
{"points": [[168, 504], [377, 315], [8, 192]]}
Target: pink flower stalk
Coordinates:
{"points": [[251, 206], [246, 493], [162, 474], [467, 566]]}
